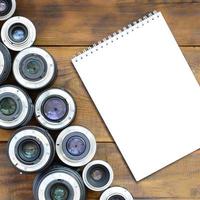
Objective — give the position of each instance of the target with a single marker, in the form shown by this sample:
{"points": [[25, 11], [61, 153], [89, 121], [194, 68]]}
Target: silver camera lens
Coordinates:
{"points": [[76, 146], [34, 68], [5, 63], [59, 183], [16, 108], [98, 175], [116, 193], [31, 149], [7, 9], [18, 33], [55, 109]]}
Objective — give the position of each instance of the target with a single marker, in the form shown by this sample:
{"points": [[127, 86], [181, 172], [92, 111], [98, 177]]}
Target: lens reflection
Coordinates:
{"points": [[59, 192], [7, 106]]}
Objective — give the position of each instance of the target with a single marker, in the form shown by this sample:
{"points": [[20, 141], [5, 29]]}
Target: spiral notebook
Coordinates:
{"points": [[145, 92]]}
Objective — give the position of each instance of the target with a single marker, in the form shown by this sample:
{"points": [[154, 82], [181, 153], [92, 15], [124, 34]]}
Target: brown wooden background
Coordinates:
{"points": [[64, 27]]}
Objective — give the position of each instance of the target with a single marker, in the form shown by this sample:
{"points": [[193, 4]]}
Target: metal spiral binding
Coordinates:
{"points": [[95, 46]]}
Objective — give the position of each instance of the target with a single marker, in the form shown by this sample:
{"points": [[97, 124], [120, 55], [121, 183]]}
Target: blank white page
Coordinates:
{"points": [[146, 94]]}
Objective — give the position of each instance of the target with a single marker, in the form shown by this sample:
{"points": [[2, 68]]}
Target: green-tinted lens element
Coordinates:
{"points": [[33, 67], [30, 149], [7, 106], [59, 192]]}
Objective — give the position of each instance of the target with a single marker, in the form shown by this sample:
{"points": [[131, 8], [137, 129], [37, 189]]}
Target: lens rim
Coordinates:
{"points": [[26, 110], [18, 46], [116, 191], [62, 174], [52, 124], [49, 76], [92, 164], [47, 149], [5, 63], [9, 12], [76, 161]]}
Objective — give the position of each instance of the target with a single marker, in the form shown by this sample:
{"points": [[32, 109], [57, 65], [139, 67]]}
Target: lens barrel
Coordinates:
{"points": [[98, 175], [59, 183], [34, 68], [7, 9], [16, 107], [76, 146], [31, 149], [5, 63], [18, 33], [55, 109], [116, 193]]}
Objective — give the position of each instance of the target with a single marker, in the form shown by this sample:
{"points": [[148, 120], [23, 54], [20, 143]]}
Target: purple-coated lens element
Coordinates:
{"points": [[76, 146], [55, 109]]}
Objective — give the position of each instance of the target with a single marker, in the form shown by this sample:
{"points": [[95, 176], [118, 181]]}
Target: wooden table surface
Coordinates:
{"points": [[65, 27]]}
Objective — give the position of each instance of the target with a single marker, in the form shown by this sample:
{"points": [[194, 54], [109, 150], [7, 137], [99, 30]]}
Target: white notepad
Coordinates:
{"points": [[146, 94]]}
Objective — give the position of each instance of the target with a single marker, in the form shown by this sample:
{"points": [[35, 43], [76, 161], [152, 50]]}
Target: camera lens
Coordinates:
{"points": [[31, 149], [34, 68], [59, 183], [18, 33], [76, 146], [55, 109], [16, 108], [98, 175], [116, 193], [5, 63], [7, 9]]}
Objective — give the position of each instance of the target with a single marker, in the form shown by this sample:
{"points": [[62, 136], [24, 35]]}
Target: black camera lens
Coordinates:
{"points": [[98, 175], [34, 68], [116, 193], [59, 183], [7, 9], [31, 149], [18, 33], [76, 146], [55, 109], [16, 107], [5, 63]]}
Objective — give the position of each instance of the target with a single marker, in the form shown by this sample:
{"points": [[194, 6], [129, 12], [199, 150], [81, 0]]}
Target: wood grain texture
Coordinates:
{"points": [[178, 181], [87, 115], [78, 22]]}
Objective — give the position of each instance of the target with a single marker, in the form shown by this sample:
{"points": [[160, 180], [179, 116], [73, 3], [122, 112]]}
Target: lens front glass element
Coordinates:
{"points": [[3, 6], [8, 106], [29, 150], [76, 145], [116, 197], [59, 192], [55, 109], [18, 33]]}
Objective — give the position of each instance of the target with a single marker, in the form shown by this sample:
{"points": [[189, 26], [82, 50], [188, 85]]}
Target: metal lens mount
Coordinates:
{"points": [[16, 108], [76, 146], [59, 183], [18, 33], [31, 149], [55, 109], [34, 68], [7, 9], [98, 175], [5, 63], [116, 193]]}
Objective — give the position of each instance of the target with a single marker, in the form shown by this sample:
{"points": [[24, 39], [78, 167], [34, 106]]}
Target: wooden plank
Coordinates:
{"points": [[85, 22], [87, 114], [178, 181]]}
